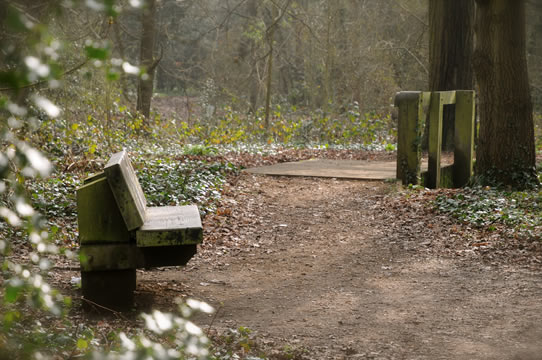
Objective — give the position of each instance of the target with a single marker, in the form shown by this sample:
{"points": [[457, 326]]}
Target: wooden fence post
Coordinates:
{"points": [[410, 106], [464, 137], [435, 140]]}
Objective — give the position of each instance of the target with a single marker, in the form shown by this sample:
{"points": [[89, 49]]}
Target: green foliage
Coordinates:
{"points": [[199, 150], [181, 181], [521, 178], [240, 340], [168, 337], [290, 126], [486, 207]]}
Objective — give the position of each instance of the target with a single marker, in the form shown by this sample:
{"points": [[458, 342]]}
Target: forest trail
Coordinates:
{"points": [[326, 265]]}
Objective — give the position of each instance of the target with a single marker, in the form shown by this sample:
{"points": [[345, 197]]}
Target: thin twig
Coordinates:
{"points": [[410, 53], [221, 24], [411, 13], [213, 321], [116, 313]]}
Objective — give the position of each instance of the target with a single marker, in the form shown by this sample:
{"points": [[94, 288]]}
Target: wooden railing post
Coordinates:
{"points": [[464, 137], [410, 106], [412, 110], [435, 140]]}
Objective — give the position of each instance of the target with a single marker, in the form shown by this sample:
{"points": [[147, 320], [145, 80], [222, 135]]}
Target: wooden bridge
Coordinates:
{"points": [[415, 108]]}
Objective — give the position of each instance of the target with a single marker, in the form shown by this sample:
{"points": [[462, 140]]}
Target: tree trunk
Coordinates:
{"points": [[534, 51], [146, 59], [450, 54], [330, 54], [269, 81], [247, 54], [506, 151]]}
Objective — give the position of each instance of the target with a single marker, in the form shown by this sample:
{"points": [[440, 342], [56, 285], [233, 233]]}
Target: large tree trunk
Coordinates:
{"points": [[451, 48], [506, 151], [146, 59]]}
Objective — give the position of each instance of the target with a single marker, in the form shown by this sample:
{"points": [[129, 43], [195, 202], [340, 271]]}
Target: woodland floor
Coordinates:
{"points": [[340, 269]]}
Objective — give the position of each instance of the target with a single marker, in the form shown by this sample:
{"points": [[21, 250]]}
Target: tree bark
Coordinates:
{"points": [[451, 45], [146, 59], [247, 54], [506, 150], [269, 81]]}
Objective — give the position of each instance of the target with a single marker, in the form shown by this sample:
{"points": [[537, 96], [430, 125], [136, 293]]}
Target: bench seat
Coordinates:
{"points": [[169, 226]]}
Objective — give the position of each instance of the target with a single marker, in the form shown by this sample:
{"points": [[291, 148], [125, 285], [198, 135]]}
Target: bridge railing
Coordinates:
{"points": [[416, 107]]}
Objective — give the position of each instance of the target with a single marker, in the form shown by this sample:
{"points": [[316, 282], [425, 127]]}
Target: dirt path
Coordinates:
{"points": [[322, 264]]}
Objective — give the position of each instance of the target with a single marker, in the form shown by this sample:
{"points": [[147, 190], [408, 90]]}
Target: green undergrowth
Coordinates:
{"points": [[177, 181], [243, 343], [520, 212], [85, 132]]}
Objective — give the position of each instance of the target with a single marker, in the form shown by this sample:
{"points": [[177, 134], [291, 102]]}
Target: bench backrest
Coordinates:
{"points": [[126, 189]]}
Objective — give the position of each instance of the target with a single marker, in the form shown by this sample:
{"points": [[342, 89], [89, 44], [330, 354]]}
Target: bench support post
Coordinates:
{"points": [[113, 289]]}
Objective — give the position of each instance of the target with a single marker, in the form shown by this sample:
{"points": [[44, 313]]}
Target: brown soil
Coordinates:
{"points": [[350, 270]]}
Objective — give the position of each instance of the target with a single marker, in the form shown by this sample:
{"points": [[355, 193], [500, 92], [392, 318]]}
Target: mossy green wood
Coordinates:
{"points": [[94, 177], [464, 137], [411, 110], [447, 97], [446, 177], [435, 139], [110, 257], [99, 218], [126, 189], [170, 225]]}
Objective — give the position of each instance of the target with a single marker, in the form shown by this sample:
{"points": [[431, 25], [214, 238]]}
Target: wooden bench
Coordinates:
{"points": [[118, 233]]}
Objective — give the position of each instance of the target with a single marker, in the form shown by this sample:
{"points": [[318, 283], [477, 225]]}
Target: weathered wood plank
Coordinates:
{"points": [[170, 225], [99, 218], [464, 137], [446, 177], [109, 257], [411, 110], [435, 140], [447, 97], [126, 189], [94, 177]]}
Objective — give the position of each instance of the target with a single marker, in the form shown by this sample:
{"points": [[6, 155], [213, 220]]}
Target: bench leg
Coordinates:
{"points": [[113, 289]]}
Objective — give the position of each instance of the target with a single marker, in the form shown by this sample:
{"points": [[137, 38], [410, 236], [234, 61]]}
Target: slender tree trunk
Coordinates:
{"points": [[330, 54], [300, 48], [451, 45], [309, 60], [146, 58], [269, 80], [247, 54], [506, 151]]}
